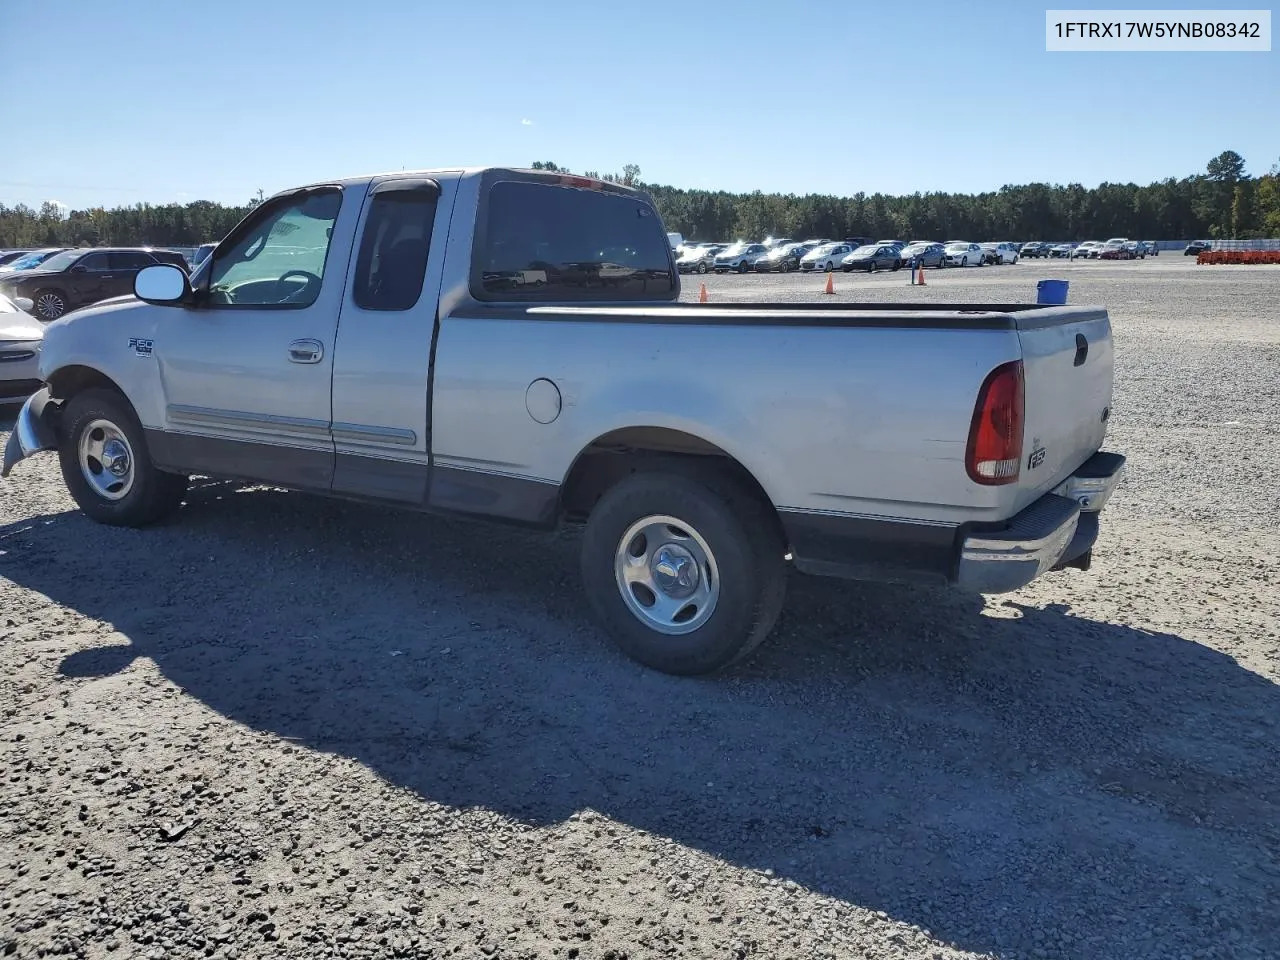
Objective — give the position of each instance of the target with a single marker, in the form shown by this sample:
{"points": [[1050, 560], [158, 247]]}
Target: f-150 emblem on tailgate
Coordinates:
{"points": [[1036, 458], [141, 347]]}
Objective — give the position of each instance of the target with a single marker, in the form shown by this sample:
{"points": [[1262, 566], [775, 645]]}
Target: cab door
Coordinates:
{"points": [[382, 359], [247, 373]]}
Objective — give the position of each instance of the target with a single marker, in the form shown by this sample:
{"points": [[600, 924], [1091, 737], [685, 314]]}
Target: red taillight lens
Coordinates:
{"points": [[994, 455]]}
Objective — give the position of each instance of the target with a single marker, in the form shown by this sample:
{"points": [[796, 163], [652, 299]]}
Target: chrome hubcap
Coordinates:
{"points": [[667, 575], [106, 460]]}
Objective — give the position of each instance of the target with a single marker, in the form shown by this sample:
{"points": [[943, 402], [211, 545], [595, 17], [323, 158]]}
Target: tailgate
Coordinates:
{"points": [[1067, 365]]}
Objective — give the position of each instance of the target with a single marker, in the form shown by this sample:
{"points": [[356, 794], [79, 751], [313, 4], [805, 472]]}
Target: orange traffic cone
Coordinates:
{"points": [[702, 293], [920, 275], [831, 285]]}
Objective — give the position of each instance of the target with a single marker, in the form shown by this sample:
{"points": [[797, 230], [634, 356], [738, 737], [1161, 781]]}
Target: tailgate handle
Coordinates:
{"points": [[1082, 350]]}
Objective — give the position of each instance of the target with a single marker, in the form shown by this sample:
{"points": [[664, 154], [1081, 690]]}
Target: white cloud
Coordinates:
{"points": [[63, 208], [526, 122]]}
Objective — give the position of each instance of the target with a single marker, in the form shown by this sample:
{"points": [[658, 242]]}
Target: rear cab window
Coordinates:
{"points": [[544, 241]]}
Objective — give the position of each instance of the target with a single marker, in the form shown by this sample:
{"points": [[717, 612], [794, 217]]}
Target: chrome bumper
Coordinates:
{"points": [[32, 432], [1057, 530]]}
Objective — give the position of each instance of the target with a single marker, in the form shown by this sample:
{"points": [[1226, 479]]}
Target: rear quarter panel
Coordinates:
{"points": [[850, 419]]}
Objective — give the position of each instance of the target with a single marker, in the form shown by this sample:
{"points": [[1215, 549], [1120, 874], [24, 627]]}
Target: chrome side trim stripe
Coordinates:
{"points": [[361, 431]]}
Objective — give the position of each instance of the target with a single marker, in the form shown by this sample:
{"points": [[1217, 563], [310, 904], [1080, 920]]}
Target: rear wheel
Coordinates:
{"points": [[106, 465], [685, 571], [702, 268], [742, 267]]}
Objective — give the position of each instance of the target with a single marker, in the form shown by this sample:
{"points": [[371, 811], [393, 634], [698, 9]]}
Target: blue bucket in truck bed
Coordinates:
{"points": [[1051, 293]]}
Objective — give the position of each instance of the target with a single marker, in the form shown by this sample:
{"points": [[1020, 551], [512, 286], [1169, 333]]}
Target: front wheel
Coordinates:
{"points": [[685, 570], [50, 304], [742, 267], [107, 467], [702, 268]]}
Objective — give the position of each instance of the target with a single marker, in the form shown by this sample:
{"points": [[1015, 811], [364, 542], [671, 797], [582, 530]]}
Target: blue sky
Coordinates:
{"points": [[215, 99]]}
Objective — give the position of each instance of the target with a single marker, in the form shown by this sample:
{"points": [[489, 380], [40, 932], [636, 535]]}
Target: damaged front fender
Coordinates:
{"points": [[34, 430]]}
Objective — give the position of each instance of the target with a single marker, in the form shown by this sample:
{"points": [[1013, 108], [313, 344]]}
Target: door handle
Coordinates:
{"points": [[306, 351]]}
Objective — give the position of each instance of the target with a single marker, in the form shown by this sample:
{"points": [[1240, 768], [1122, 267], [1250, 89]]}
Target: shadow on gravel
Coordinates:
{"points": [[1031, 780]]}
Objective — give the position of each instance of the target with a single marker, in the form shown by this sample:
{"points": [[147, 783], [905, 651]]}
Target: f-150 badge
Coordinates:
{"points": [[1037, 454], [141, 347]]}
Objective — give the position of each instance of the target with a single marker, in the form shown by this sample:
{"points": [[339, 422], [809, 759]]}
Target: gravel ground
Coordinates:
{"points": [[284, 726]]}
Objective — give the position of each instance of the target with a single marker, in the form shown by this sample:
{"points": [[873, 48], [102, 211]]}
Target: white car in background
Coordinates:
{"points": [[20, 337], [1004, 252], [961, 254], [826, 258], [1087, 250]]}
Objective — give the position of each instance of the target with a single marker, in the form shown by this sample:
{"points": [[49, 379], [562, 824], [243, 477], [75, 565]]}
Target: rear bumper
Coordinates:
{"points": [[32, 432], [1056, 531]]}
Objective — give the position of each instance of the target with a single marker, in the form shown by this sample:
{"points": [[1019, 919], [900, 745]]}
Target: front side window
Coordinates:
{"points": [[277, 259], [544, 241], [96, 262], [394, 247]]}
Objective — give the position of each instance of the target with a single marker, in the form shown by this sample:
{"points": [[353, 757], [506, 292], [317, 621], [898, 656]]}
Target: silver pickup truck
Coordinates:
{"points": [[508, 344]]}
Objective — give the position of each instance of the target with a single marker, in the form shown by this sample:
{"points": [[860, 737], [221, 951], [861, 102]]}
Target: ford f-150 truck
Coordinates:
{"points": [[508, 344]]}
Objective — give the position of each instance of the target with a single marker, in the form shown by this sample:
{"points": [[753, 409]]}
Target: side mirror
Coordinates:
{"points": [[162, 284], [25, 304]]}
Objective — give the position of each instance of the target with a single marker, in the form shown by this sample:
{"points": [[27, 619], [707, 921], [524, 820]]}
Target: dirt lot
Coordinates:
{"points": [[385, 735]]}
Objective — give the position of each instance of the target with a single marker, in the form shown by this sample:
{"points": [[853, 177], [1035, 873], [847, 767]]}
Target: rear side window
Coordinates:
{"points": [[548, 242], [394, 247], [131, 260]]}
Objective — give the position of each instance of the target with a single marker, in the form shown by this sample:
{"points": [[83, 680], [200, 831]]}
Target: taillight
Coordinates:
{"points": [[994, 454]]}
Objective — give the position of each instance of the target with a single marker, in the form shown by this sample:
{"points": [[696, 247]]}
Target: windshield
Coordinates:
{"points": [[866, 251], [733, 249], [60, 261], [957, 246]]}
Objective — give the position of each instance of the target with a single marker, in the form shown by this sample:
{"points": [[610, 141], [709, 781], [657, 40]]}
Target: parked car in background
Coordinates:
{"points": [[8, 256], [962, 254], [1004, 252], [1061, 251], [1086, 250], [698, 258], [738, 256], [1137, 250], [20, 337], [1117, 248], [782, 259], [924, 253], [77, 278], [772, 243], [1196, 247], [873, 257], [855, 242], [827, 257], [30, 260], [1151, 248], [1033, 250], [201, 253]]}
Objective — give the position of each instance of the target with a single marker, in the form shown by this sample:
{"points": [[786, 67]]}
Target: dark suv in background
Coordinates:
{"points": [[77, 278]]}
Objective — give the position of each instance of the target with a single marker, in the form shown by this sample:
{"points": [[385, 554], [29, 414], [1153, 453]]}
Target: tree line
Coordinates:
{"points": [[1223, 202]]}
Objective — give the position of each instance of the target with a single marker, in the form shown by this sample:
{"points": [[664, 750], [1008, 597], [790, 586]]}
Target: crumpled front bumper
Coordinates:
{"points": [[1057, 530], [32, 432]]}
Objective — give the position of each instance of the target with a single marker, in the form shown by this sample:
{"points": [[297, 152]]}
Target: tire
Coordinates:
{"points": [[143, 495], [829, 267], [702, 268], [742, 266], [745, 550], [55, 300]]}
